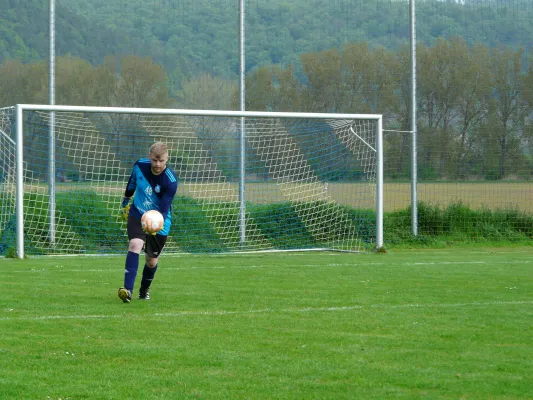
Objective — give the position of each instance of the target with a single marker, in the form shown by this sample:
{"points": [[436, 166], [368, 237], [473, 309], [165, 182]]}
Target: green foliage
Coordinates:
{"points": [[88, 219], [92, 220], [10, 252], [281, 226], [201, 36], [81, 216], [7, 231], [474, 97], [24, 32], [279, 223], [138, 83], [457, 223], [191, 227]]}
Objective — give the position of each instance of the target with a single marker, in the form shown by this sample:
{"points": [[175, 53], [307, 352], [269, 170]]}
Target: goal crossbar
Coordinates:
{"points": [[213, 113]]}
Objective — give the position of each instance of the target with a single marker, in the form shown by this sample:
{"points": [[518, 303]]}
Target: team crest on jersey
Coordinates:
{"points": [[157, 188], [148, 190]]}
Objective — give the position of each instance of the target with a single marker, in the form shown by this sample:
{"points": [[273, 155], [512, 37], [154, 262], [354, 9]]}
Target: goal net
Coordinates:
{"points": [[247, 181], [7, 179]]}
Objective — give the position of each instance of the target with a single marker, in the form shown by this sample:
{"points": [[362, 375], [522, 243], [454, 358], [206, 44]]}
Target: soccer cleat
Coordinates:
{"points": [[144, 294], [124, 294]]}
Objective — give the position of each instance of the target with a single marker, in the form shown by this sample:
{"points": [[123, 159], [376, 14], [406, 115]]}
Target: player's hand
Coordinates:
{"points": [[125, 210], [148, 233]]}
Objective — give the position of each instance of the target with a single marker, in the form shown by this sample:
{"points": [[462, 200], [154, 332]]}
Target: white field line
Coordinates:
{"points": [[59, 268], [215, 313], [289, 253]]}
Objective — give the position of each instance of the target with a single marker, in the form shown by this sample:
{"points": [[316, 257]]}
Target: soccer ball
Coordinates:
{"points": [[152, 221]]}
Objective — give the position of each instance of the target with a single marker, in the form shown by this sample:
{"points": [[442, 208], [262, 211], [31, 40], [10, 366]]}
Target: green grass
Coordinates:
{"points": [[424, 324]]}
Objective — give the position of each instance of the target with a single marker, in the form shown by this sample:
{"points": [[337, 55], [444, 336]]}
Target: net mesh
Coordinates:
{"points": [[308, 183], [7, 179]]}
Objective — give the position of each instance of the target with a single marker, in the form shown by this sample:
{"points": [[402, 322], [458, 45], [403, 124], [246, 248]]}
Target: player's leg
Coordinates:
{"points": [[153, 249], [136, 242]]}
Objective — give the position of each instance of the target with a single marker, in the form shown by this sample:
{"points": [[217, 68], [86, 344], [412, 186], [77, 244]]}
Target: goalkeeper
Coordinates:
{"points": [[153, 186]]}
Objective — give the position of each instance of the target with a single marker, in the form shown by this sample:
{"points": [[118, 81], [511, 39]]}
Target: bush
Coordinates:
{"points": [[457, 223], [88, 218]]}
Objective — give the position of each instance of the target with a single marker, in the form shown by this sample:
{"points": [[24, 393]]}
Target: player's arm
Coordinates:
{"points": [[167, 198], [125, 208], [130, 190]]}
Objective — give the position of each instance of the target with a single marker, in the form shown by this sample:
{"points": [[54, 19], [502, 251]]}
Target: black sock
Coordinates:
{"points": [[148, 276]]}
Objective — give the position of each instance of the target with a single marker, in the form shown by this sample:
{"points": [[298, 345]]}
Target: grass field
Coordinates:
{"points": [[412, 324]]}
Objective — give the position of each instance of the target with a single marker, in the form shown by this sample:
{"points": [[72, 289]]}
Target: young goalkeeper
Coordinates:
{"points": [[153, 186]]}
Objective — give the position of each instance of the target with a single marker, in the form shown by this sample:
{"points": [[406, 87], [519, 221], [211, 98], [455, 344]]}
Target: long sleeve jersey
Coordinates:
{"points": [[152, 192]]}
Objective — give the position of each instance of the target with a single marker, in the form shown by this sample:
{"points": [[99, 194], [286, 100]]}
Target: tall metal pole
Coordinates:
{"points": [[242, 107], [51, 137], [379, 183], [19, 184], [414, 207]]}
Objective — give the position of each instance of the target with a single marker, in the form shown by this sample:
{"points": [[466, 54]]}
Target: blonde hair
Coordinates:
{"points": [[158, 149]]}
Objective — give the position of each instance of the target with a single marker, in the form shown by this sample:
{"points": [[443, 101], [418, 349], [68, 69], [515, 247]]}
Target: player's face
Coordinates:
{"points": [[158, 163]]}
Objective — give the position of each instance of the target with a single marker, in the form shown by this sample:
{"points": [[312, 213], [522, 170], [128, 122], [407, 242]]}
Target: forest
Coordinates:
{"points": [[191, 36], [474, 86]]}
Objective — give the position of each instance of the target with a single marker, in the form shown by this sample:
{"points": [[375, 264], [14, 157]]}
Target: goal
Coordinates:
{"points": [[248, 181]]}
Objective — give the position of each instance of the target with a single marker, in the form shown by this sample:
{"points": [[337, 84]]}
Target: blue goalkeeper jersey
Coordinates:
{"points": [[152, 192]]}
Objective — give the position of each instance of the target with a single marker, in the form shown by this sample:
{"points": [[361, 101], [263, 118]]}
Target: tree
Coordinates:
{"points": [[508, 105], [368, 79], [399, 115], [289, 90], [439, 89], [359, 70], [142, 83], [527, 96], [323, 73], [260, 90], [207, 92], [23, 83], [273, 88], [75, 82], [474, 79]]}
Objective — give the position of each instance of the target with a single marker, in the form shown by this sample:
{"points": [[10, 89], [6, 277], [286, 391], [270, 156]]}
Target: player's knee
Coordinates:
{"points": [[135, 245], [151, 262]]}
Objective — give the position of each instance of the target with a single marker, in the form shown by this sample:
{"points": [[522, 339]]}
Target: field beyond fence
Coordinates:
{"points": [[491, 195]]}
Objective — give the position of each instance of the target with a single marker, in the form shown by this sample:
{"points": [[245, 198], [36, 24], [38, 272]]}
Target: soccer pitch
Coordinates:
{"points": [[414, 324]]}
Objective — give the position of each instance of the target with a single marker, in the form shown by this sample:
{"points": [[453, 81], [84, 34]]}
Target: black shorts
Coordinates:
{"points": [[153, 244]]}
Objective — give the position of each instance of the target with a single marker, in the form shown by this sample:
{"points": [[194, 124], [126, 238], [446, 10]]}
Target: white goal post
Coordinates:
{"points": [[279, 181]]}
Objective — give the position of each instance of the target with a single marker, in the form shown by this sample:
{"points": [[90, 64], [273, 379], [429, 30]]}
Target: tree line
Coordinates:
{"points": [[474, 103], [188, 36]]}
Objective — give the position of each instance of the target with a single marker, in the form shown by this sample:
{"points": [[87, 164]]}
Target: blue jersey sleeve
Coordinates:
{"points": [[168, 193], [132, 184]]}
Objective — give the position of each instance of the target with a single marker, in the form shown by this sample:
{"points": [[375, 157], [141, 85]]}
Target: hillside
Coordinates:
{"points": [[202, 35], [24, 32]]}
